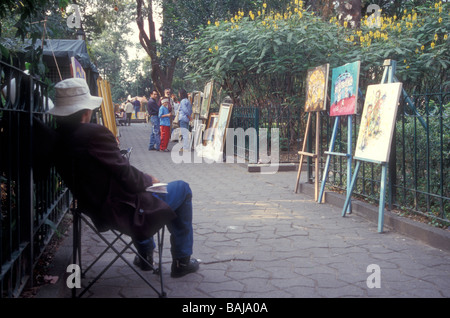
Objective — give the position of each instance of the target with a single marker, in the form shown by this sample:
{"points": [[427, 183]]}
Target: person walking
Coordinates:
{"points": [[153, 111], [185, 113], [164, 124]]}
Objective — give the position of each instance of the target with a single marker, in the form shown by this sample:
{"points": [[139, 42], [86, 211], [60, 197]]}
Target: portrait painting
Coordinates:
{"points": [[344, 89], [378, 122], [316, 88]]}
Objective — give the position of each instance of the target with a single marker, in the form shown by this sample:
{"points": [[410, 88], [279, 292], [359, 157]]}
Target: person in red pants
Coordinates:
{"points": [[164, 124]]}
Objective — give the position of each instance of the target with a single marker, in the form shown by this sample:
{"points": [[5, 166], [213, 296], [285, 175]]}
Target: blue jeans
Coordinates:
{"points": [[155, 139], [179, 198]]}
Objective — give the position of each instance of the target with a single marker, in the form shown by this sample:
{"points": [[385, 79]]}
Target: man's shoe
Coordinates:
{"points": [[184, 266], [144, 265]]}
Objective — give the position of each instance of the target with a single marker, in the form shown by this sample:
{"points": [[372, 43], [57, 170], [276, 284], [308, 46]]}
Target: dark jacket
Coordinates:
{"points": [[107, 188], [152, 107]]}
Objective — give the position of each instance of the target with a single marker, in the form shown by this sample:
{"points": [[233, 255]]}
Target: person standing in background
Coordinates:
{"points": [[185, 113], [153, 111], [129, 111], [137, 107], [164, 122]]}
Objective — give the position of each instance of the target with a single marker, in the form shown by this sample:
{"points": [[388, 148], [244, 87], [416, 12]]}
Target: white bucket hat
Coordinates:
{"points": [[72, 95]]}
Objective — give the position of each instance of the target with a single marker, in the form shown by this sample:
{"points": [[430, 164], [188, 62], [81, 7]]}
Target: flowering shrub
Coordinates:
{"points": [[263, 56]]}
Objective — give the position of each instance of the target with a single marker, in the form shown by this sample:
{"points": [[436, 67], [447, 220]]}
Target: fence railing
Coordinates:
{"points": [[420, 157], [33, 202]]}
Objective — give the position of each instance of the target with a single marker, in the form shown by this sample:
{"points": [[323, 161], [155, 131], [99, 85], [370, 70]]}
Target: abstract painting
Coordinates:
{"points": [[344, 89], [316, 88], [378, 122]]}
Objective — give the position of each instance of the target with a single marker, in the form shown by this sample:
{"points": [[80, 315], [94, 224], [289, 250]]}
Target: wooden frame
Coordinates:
{"points": [[211, 128], [223, 121]]}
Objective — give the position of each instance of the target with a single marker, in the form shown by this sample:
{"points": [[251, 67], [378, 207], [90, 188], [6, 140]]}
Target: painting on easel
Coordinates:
{"points": [[378, 122], [344, 89], [316, 88]]}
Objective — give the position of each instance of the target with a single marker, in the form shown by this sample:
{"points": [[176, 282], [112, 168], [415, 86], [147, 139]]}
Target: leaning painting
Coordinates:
{"points": [[378, 122], [316, 88], [344, 89], [206, 102]]}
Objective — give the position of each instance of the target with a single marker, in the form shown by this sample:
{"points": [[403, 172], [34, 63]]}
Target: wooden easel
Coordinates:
{"points": [[388, 77], [315, 156]]}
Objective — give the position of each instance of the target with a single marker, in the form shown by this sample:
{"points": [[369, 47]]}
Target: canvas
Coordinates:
{"points": [[206, 102], [344, 89], [225, 111], [196, 102], [316, 88], [378, 122]]}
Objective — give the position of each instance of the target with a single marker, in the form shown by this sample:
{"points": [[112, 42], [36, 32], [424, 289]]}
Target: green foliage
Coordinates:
{"points": [[265, 54]]}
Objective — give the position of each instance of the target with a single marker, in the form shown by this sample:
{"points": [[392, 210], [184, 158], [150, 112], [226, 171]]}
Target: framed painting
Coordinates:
{"points": [[378, 122], [206, 102], [344, 89], [222, 124], [196, 102], [211, 127], [316, 88]]}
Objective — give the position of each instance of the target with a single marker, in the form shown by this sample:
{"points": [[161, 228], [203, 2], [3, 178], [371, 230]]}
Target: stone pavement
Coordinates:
{"points": [[256, 238]]}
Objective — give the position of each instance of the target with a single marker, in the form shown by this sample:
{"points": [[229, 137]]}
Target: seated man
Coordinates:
{"points": [[110, 190]]}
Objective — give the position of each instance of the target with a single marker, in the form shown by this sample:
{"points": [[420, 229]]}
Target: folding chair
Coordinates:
{"points": [[79, 218]]}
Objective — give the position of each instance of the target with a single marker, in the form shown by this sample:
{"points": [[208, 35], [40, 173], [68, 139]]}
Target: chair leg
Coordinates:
{"points": [[119, 254]]}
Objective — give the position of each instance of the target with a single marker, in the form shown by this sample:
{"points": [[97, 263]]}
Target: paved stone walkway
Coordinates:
{"points": [[256, 238]]}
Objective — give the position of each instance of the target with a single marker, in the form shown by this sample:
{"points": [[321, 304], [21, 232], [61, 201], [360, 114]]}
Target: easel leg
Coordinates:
{"points": [[303, 150], [316, 170], [349, 158], [349, 193], [327, 165], [382, 197]]}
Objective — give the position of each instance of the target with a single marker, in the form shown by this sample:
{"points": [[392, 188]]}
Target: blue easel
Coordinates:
{"points": [[331, 152], [388, 77]]}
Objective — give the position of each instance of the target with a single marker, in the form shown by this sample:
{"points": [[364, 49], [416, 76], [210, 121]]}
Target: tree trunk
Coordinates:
{"points": [[161, 76]]}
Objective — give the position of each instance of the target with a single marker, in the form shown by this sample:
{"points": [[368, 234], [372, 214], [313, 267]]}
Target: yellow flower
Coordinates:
{"points": [[436, 37], [210, 50], [264, 5], [440, 20], [217, 23], [217, 48], [432, 45], [209, 22], [445, 37], [422, 47], [345, 24]]}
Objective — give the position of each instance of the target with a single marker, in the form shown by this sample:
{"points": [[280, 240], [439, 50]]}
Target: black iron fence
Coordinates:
{"points": [[33, 197], [420, 157]]}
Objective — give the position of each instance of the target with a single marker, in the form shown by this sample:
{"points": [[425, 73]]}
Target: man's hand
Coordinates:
{"points": [[154, 179]]}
